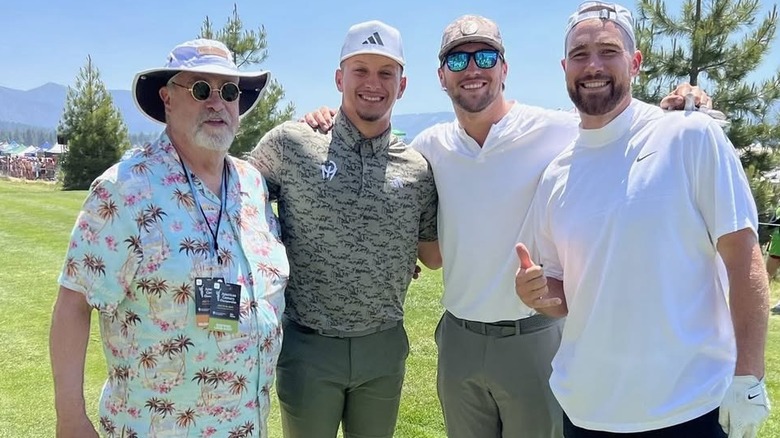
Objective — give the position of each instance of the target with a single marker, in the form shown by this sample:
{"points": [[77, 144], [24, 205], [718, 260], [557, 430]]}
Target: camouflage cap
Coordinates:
{"points": [[470, 29]]}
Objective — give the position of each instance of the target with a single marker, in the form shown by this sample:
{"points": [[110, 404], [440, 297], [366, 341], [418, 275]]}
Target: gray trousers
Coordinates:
{"points": [[324, 381], [494, 384]]}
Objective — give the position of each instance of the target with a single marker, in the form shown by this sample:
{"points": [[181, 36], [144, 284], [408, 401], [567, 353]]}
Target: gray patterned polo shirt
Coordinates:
{"points": [[352, 210]]}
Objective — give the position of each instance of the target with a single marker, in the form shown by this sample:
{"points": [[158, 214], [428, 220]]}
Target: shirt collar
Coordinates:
{"points": [[349, 134]]}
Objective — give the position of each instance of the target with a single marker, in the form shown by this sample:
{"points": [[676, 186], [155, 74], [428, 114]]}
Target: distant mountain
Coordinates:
{"points": [[42, 108], [414, 124]]}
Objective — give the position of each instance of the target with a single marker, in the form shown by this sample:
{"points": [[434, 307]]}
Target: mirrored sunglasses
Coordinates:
{"points": [[458, 61], [201, 90]]}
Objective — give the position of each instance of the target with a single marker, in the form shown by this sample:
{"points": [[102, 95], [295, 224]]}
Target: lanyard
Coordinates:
{"points": [[213, 233]]}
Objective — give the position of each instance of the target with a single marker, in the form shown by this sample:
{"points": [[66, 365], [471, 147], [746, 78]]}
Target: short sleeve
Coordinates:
{"points": [[537, 227], [268, 158], [721, 189], [104, 252], [429, 231]]}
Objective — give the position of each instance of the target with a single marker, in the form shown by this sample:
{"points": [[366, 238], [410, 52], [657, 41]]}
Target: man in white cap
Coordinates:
{"points": [[356, 205], [178, 249], [646, 228]]}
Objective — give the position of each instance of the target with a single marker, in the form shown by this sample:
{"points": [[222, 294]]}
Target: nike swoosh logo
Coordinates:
{"points": [[751, 397], [645, 156]]}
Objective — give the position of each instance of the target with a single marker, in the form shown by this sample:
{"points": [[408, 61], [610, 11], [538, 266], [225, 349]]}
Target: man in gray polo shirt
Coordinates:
{"points": [[356, 205]]}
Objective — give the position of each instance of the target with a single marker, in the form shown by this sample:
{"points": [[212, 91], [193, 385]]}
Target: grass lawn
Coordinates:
{"points": [[35, 223]]}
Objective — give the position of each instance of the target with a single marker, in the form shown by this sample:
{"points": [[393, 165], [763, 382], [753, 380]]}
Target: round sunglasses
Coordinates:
{"points": [[201, 90], [458, 61]]}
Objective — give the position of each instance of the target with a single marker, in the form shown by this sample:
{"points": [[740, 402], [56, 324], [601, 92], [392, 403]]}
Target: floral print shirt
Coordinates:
{"points": [[135, 251]]}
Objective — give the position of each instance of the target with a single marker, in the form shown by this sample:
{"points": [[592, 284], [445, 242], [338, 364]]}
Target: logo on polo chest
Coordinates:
{"points": [[328, 170]]}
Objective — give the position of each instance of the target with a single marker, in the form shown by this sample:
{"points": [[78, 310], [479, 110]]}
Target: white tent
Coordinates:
{"points": [[28, 150], [57, 149]]}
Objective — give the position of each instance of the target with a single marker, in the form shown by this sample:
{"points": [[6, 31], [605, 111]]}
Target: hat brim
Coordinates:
{"points": [[147, 84], [470, 39]]}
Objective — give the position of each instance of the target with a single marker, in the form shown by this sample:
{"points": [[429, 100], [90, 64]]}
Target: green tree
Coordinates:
{"points": [[718, 45], [249, 47], [94, 130]]}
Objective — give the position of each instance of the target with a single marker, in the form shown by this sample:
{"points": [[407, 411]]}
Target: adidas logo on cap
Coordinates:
{"points": [[374, 38]]}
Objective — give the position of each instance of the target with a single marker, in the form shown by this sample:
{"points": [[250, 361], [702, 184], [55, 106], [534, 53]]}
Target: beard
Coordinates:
{"points": [[471, 105], [219, 140], [598, 105]]}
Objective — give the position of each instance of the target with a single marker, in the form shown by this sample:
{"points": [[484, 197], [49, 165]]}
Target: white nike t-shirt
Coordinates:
{"points": [[628, 218]]}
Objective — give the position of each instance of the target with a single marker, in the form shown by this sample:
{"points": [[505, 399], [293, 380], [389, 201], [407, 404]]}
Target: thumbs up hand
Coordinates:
{"points": [[530, 282]]}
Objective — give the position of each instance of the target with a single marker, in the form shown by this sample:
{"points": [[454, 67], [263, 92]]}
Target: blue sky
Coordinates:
{"points": [[48, 41]]}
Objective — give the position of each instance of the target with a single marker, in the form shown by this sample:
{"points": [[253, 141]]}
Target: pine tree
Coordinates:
{"points": [[94, 130], [249, 47], [718, 44]]}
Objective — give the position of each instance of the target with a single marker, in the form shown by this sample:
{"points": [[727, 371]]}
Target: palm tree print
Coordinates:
{"points": [[203, 378], [243, 431], [238, 220], [184, 199], [159, 408], [159, 287], [188, 245], [186, 419], [182, 294], [71, 267], [148, 217], [108, 210], [94, 264], [147, 361], [108, 426], [183, 343], [140, 168], [130, 319], [120, 374], [238, 387], [154, 213], [269, 270], [134, 244], [226, 256]]}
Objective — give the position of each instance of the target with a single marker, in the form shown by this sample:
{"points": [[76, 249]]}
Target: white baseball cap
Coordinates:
{"points": [[373, 38], [605, 11]]}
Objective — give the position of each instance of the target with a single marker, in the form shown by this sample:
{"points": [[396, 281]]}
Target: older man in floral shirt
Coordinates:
{"points": [[179, 251]]}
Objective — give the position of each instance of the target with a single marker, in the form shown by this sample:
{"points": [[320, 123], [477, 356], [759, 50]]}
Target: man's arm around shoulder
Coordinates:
{"points": [[68, 340]]}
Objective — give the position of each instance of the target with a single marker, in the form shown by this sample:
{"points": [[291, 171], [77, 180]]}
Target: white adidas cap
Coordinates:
{"points": [[373, 38]]}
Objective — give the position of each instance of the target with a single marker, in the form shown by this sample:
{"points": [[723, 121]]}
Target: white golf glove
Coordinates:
{"points": [[745, 406]]}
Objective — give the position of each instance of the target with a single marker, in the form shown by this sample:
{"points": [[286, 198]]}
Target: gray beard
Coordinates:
{"points": [[217, 142]]}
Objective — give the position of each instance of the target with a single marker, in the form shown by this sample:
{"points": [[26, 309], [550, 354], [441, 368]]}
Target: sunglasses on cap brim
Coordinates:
{"points": [[459, 61]]}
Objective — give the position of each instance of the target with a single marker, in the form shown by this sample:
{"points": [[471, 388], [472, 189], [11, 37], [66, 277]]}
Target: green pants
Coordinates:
{"points": [[323, 381], [493, 380]]}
